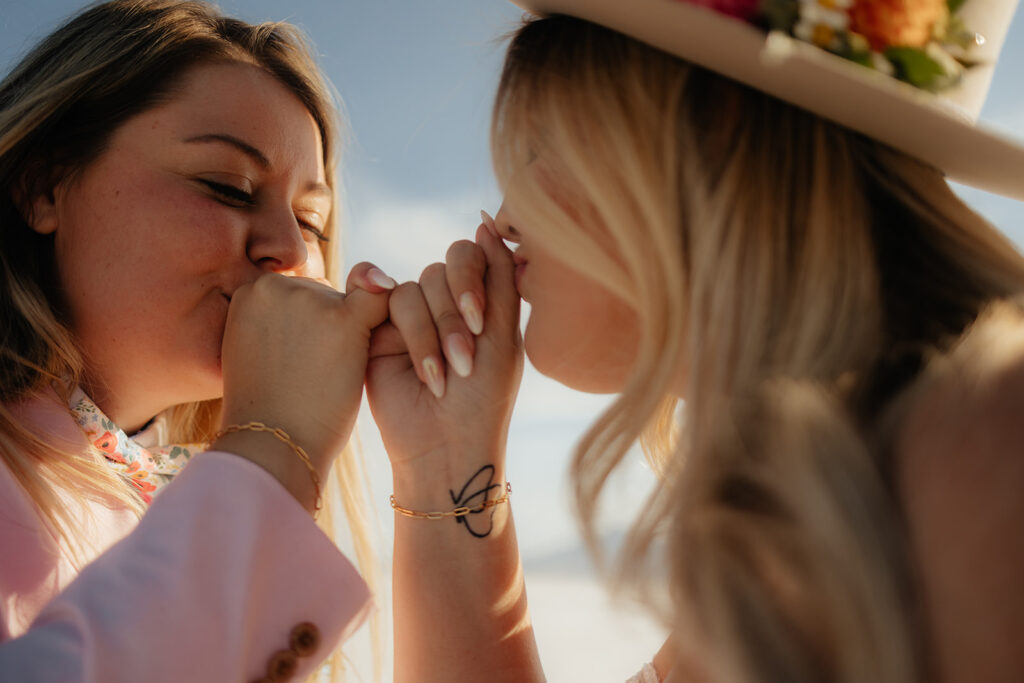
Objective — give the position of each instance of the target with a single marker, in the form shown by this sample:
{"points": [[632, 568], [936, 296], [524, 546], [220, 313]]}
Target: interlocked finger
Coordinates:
{"points": [[456, 338], [411, 315], [465, 266]]}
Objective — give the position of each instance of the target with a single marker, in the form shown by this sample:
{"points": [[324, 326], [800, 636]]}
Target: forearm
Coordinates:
{"points": [[216, 562], [459, 599]]}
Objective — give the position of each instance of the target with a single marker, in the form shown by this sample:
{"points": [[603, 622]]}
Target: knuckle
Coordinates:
{"points": [[432, 272], [242, 292], [405, 292], [264, 286], [405, 297], [448, 319], [424, 334], [465, 250]]}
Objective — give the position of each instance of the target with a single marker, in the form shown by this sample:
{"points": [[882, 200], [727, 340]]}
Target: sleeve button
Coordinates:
{"points": [[282, 665], [305, 639]]}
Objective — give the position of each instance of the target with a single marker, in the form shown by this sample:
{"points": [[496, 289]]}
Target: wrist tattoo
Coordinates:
{"points": [[474, 494]]}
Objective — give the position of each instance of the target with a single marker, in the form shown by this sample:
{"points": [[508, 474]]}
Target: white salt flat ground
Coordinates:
{"points": [[581, 635]]}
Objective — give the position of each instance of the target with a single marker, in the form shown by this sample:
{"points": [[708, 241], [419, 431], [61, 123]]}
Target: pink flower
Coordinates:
{"points": [[742, 9]]}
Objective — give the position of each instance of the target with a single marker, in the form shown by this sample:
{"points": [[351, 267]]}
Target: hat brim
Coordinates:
{"points": [[920, 123]]}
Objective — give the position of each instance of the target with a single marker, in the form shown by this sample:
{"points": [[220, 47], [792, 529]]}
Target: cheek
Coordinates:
{"points": [[134, 246], [316, 262], [116, 223]]}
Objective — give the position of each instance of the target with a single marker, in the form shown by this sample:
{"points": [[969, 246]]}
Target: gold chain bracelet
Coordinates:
{"points": [[283, 437], [457, 512]]}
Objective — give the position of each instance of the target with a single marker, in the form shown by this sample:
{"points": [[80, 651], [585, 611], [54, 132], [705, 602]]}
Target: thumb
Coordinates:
{"points": [[367, 289], [368, 309], [368, 277]]}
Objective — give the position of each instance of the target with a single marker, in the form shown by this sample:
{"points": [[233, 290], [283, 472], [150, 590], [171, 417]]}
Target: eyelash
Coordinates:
{"points": [[241, 199]]}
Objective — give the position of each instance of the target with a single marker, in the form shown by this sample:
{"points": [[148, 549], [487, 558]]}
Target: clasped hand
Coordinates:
{"points": [[441, 358]]}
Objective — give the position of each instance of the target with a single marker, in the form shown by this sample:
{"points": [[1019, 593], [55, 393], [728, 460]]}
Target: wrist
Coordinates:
{"points": [[278, 459], [441, 479]]}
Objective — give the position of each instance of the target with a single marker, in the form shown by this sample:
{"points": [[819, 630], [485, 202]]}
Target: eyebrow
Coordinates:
{"points": [[257, 156], [241, 145]]}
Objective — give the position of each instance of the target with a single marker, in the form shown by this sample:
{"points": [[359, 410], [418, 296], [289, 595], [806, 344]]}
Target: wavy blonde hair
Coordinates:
{"points": [[58, 109], [791, 278]]}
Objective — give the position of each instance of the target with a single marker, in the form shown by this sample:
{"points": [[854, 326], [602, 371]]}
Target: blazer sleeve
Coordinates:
{"points": [[226, 578]]}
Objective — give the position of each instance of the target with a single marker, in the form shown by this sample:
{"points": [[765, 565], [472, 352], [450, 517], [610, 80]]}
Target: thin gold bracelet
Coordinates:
{"points": [[283, 437], [457, 512]]}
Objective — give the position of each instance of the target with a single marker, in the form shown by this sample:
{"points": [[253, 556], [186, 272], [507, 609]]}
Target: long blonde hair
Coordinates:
{"points": [[58, 109], [791, 278]]}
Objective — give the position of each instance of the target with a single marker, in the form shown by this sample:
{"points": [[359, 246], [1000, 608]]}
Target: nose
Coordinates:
{"points": [[503, 221], [276, 241]]}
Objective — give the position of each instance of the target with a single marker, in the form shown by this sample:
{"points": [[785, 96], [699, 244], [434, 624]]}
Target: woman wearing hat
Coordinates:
{"points": [[748, 237]]}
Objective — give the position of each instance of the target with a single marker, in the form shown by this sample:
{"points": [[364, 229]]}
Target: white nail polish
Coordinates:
{"points": [[471, 312], [380, 278], [435, 381], [459, 354], [489, 222]]}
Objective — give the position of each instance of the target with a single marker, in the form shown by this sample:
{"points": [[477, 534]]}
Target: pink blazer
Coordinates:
{"points": [[210, 585]]}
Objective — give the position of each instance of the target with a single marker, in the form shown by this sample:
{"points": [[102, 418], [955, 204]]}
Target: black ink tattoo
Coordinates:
{"points": [[473, 497]]}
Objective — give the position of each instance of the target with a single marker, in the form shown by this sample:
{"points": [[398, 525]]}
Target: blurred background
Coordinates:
{"points": [[417, 78]]}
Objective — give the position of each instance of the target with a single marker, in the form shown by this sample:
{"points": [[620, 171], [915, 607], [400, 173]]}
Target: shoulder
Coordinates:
{"points": [[959, 464], [965, 415]]}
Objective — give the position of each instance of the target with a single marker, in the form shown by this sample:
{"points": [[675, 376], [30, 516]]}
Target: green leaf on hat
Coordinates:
{"points": [[780, 15], [916, 67], [955, 5]]}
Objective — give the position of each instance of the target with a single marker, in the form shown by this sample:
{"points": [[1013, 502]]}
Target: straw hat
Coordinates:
{"points": [[938, 127]]}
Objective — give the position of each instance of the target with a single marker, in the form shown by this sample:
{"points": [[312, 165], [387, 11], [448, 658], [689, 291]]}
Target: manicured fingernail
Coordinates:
{"points": [[470, 308], [459, 354], [489, 223], [435, 380], [380, 278]]}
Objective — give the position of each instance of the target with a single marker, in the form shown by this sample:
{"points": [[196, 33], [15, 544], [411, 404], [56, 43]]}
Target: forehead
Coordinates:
{"points": [[242, 101]]}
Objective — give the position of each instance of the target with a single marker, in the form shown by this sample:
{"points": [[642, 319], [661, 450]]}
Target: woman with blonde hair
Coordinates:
{"points": [[163, 168], [750, 240]]}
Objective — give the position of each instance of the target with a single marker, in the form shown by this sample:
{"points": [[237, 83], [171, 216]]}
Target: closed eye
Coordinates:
{"points": [[313, 230], [238, 198], [228, 194]]}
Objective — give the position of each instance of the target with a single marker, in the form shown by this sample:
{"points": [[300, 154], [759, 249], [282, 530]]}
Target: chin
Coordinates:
{"points": [[575, 375], [589, 364], [201, 382]]}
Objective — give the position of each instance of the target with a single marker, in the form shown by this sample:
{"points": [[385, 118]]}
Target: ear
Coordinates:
{"points": [[38, 208]]}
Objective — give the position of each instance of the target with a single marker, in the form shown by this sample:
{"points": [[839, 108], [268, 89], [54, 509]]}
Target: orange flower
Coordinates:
{"points": [[106, 443], [143, 485], [144, 488], [898, 23]]}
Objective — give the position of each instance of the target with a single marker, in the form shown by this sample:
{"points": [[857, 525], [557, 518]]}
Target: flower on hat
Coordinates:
{"points": [[921, 42], [902, 23], [823, 22]]}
